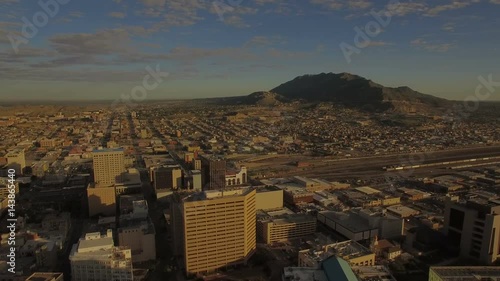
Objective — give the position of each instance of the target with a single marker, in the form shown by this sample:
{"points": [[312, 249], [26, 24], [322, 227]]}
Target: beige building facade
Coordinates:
{"points": [[109, 166], [218, 229]]}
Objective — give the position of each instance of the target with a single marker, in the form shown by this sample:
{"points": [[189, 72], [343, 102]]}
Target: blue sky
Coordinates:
{"points": [[99, 49]]}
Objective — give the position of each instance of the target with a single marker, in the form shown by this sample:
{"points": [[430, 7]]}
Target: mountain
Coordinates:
{"points": [[355, 91], [264, 99]]}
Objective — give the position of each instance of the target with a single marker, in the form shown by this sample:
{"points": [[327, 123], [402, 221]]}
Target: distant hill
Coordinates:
{"points": [[264, 98], [356, 91], [350, 90]]}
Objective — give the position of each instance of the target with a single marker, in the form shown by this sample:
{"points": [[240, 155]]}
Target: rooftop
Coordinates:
{"points": [[44, 276], [466, 273], [367, 190], [303, 273], [353, 222], [103, 150], [214, 194], [373, 273], [338, 269]]}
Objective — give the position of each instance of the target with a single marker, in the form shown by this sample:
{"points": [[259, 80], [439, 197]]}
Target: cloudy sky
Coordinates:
{"points": [[99, 49]]}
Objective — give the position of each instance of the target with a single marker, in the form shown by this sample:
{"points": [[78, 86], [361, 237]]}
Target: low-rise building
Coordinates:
{"points": [[350, 251], [95, 257], [136, 231], [361, 224], [284, 225], [464, 273], [268, 198], [402, 211]]}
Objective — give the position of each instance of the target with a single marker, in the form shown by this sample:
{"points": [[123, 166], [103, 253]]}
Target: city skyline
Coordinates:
{"points": [[100, 50]]}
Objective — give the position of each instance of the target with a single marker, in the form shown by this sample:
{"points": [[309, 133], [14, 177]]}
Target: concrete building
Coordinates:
{"points": [[236, 177], [350, 251], [268, 198], [40, 168], [109, 166], [214, 229], [331, 269], [284, 225], [402, 211], [361, 224], [167, 177], [464, 273], [95, 257], [136, 230], [196, 163], [196, 180], [16, 160], [101, 200], [317, 184], [373, 273], [213, 170], [473, 227], [47, 142]]}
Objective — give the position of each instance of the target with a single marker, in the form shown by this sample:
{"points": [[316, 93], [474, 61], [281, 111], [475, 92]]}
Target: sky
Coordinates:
{"points": [[106, 49]]}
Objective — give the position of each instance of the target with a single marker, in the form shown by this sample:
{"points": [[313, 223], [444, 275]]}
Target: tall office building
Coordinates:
{"points": [[213, 171], [95, 257], [16, 160], [168, 177], [109, 166], [214, 229], [473, 227], [101, 200]]}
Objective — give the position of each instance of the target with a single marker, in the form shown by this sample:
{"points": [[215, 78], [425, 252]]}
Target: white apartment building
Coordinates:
{"points": [[95, 258]]}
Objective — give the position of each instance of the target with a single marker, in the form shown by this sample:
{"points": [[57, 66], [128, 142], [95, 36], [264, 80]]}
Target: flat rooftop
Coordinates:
{"points": [[215, 194], [108, 150], [303, 273], [373, 273], [349, 249], [352, 222], [467, 273], [367, 190], [44, 276], [267, 188]]}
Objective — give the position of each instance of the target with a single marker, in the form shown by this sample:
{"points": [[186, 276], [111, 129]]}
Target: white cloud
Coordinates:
{"points": [[118, 15], [421, 43]]}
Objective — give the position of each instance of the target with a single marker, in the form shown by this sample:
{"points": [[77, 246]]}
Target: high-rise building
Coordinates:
{"points": [[213, 171], [109, 166], [473, 227], [136, 230], [101, 200], [16, 160], [214, 229], [168, 177], [196, 164], [95, 257]]}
